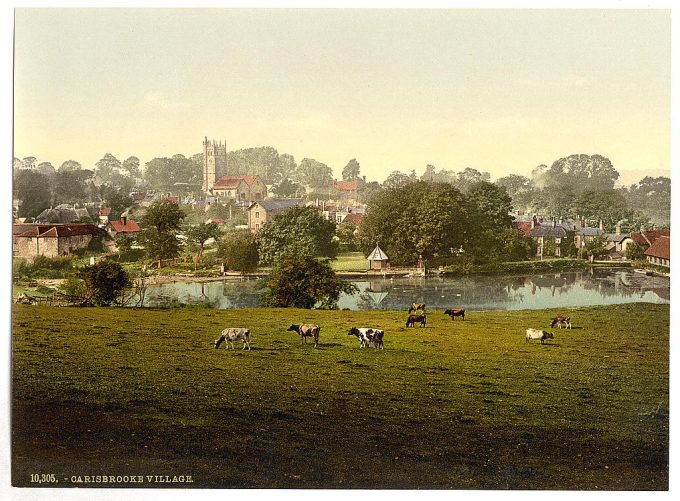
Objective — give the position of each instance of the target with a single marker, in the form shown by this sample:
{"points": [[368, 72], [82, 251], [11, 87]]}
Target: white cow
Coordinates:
{"points": [[368, 337], [538, 334], [234, 334]]}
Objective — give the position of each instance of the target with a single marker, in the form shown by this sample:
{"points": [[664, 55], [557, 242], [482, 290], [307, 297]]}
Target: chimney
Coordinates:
{"points": [[554, 223], [618, 228], [533, 222], [364, 178], [124, 219], [601, 225]]}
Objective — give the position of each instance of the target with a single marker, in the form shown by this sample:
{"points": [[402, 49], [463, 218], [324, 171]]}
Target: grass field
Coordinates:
{"points": [[458, 404], [350, 261]]}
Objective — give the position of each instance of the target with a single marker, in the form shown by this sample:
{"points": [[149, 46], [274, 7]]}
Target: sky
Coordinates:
{"points": [[502, 91]]}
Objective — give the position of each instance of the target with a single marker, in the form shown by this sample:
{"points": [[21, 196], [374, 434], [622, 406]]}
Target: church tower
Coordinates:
{"points": [[214, 162]]}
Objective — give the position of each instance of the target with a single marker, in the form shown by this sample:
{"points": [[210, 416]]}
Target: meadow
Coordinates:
{"points": [[455, 405]]}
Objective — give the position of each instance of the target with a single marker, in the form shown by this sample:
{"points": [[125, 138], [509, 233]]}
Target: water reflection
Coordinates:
{"points": [[535, 291]]}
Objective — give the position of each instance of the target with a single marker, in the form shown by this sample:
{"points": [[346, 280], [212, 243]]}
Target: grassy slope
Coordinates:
{"points": [[464, 404]]}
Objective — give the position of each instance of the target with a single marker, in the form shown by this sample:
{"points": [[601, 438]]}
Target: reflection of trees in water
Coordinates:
{"points": [[557, 283], [627, 283]]}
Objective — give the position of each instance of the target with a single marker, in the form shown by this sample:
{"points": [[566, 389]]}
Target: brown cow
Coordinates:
{"points": [[455, 313]]}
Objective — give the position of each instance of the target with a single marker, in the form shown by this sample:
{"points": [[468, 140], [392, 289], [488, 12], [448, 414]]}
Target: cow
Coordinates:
{"points": [[538, 334], [368, 337], [417, 306], [455, 313], [305, 331], [234, 334], [412, 319], [561, 321]]}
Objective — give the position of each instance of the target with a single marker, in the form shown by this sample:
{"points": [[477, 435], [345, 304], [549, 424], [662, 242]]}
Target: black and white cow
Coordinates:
{"points": [[234, 334], [538, 334], [368, 337], [305, 331]]}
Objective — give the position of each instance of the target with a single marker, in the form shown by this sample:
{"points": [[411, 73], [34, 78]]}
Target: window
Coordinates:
{"points": [[257, 226], [257, 214]]}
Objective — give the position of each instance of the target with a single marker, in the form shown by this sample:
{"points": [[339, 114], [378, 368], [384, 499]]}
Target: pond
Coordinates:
{"points": [[595, 286]]}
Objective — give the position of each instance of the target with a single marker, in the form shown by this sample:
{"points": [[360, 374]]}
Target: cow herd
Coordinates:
{"points": [[371, 337]]}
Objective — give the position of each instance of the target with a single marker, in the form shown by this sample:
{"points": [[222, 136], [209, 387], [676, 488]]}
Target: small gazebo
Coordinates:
{"points": [[378, 260]]}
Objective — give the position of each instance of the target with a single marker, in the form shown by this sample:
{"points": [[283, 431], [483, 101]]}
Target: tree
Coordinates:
{"points": [[366, 191], [582, 172], [314, 174], [287, 166], [652, 197], [351, 170], [298, 230], [608, 206], [118, 201], [489, 205], [396, 180], [263, 161], [301, 281], [47, 169], [288, 188], [69, 165], [201, 233], [32, 188], [107, 166], [514, 184], [131, 166], [164, 215], [162, 220], [164, 173], [635, 252], [413, 220], [69, 187], [238, 250], [469, 177], [595, 248], [347, 238], [104, 281]]}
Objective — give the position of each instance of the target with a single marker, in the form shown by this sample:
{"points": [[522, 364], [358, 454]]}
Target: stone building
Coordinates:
{"points": [[248, 188], [214, 163], [52, 240], [261, 212]]}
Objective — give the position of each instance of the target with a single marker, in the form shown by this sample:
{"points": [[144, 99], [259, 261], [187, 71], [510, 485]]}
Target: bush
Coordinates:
{"points": [[104, 282]]}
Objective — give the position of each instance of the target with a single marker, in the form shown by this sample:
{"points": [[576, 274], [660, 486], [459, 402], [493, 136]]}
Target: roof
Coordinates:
{"points": [[138, 196], [130, 226], [587, 231], [524, 227], [226, 182], [647, 238], [377, 255], [274, 204], [59, 230], [104, 211], [346, 185], [613, 237], [548, 231], [354, 218], [661, 248]]}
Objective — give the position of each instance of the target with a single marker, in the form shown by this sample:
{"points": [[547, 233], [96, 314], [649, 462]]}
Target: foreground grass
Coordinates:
{"points": [[463, 404]]}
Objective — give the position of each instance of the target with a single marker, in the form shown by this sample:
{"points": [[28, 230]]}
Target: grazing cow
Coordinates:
{"points": [[455, 313], [412, 319], [417, 306], [368, 337], [538, 334], [305, 331], [561, 321], [233, 334]]}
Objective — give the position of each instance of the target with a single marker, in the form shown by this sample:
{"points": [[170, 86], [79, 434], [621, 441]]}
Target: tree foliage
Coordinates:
{"points": [[313, 173], [582, 172], [238, 250], [301, 281], [162, 221], [104, 281], [288, 188], [298, 230], [416, 219], [163, 173], [33, 189], [201, 233], [351, 170]]}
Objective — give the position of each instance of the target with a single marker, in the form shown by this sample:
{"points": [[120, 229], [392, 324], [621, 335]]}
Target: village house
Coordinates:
{"points": [[123, 227], [550, 235], [52, 240], [645, 238], [104, 213], [62, 214], [659, 252], [261, 212], [247, 188], [348, 189]]}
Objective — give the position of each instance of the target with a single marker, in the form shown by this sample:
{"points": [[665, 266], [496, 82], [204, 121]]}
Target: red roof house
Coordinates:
{"points": [[660, 251]]}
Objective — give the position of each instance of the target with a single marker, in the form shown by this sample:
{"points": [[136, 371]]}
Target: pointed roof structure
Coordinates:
{"points": [[377, 255]]}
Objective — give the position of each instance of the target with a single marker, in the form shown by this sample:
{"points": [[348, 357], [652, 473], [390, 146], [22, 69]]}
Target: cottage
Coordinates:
{"points": [[547, 235], [261, 212], [62, 214], [240, 188], [104, 214], [123, 227], [660, 251], [52, 240], [645, 238]]}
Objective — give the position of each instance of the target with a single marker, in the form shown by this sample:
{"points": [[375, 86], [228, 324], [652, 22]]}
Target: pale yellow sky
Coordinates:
{"points": [[498, 90]]}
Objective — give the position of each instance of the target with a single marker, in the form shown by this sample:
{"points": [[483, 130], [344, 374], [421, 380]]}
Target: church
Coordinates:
{"points": [[216, 180]]}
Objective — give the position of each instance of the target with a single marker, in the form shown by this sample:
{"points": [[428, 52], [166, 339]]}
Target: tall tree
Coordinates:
{"points": [[107, 166], [33, 189], [201, 233], [298, 230], [69, 166], [582, 172], [288, 188], [514, 184], [351, 170], [396, 180], [489, 206], [165, 216], [131, 166], [238, 250], [469, 177], [315, 174]]}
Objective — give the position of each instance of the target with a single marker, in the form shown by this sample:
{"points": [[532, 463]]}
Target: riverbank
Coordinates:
{"points": [[455, 405]]}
